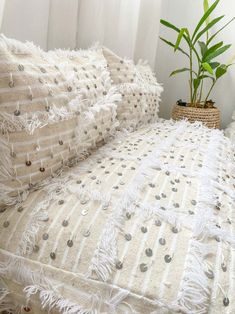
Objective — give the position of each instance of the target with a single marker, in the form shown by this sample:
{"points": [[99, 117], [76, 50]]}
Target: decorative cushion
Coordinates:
{"points": [[140, 91], [230, 130], [50, 113]]}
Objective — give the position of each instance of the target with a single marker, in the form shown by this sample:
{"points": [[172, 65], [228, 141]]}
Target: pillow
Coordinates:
{"points": [[230, 130], [49, 114], [139, 88]]}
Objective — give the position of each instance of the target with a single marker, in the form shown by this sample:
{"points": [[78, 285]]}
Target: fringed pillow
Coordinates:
{"points": [[139, 88], [47, 117]]}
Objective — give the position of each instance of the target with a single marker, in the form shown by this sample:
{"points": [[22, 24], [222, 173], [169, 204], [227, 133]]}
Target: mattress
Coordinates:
{"points": [[144, 225]]}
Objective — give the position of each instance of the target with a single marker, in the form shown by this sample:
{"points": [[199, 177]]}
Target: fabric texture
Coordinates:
{"points": [[144, 225], [230, 130], [139, 88], [54, 107]]}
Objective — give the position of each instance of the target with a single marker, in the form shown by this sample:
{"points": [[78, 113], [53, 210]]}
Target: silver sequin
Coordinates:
{"points": [[86, 233], [167, 258], [162, 241], [209, 274], [144, 229], [128, 236], [70, 243], [143, 267], [119, 265], [45, 236], [6, 224], [149, 252], [65, 223], [158, 223], [52, 255], [174, 230]]}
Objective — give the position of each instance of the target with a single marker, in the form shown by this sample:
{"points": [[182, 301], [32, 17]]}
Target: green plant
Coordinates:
{"points": [[201, 52]]}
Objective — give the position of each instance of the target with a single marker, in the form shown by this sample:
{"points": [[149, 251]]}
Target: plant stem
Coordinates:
{"points": [[210, 91], [200, 95], [191, 75]]}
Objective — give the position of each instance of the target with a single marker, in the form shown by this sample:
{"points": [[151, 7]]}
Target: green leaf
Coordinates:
{"points": [[204, 17], [207, 67], [203, 47], [213, 36], [206, 7], [180, 71], [216, 53], [173, 46], [214, 65], [179, 38], [211, 50], [210, 25], [169, 25], [220, 71], [196, 83], [206, 76]]}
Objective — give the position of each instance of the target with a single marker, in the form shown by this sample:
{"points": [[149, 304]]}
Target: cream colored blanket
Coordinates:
{"points": [[144, 225]]}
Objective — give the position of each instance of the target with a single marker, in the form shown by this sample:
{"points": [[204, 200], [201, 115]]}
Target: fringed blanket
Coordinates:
{"points": [[144, 225]]}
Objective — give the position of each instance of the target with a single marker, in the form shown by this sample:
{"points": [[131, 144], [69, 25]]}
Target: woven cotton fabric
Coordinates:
{"points": [[144, 225], [140, 91], [54, 107]]}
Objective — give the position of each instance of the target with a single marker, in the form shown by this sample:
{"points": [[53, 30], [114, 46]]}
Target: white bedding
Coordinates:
{"points": [[144, 225]]}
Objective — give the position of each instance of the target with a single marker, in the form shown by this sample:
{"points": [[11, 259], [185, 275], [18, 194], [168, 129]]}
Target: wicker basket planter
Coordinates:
{"points": [[210, 117]]}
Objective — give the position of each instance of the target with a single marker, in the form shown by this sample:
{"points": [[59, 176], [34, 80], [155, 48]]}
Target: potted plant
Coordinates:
{"points": [[201, 52]]}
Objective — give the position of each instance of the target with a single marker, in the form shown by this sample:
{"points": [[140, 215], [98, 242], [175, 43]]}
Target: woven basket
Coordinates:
{"points": [[210, 117]]}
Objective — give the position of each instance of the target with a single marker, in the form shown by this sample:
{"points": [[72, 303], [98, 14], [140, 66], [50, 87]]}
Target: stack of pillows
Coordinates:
{"points": [[58, 106]]}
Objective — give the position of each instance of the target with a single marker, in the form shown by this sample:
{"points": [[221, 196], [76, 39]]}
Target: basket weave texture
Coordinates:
{"points": [[210, 117]]}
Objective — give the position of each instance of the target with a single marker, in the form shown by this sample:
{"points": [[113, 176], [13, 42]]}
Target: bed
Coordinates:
{"points": [[142, 221]]}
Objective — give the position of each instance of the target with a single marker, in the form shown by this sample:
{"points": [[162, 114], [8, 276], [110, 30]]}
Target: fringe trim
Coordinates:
{"points": [[194, 295], [17, 47], [105, 256], [88, 117], [35, 284]]}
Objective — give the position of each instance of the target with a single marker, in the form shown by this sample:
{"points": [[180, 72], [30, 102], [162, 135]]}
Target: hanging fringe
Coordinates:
{"points": [[105, 256], [36, 284]]}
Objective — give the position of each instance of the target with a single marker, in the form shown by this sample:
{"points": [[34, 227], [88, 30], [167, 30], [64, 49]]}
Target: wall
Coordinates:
{"points": [[187, 13]]}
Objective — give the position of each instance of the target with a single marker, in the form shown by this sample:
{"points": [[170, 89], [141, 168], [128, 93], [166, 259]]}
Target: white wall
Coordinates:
{"points": [[26, 20], [187, 13]]}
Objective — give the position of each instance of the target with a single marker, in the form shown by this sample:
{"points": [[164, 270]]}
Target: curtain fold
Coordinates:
{"points": [[129, 27]]}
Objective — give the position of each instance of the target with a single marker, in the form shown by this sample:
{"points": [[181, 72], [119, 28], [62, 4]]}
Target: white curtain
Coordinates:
{"points": [[129, 27]]}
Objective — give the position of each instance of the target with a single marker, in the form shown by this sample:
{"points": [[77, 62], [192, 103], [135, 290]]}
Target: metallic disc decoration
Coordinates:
{"points": [[143, 267], [70, 243], [144, 229], [17, 112], [149, 252], [167, 258], [52, 255], [128, 236], [36, 248], [193, 202], [84, 212], [86, 233], [119, 265], [210, 274], [226, 301], [65, 223], [128, 215], [158, 222], [45, 236], [6, 224], [174, 230], [224, 267]]}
